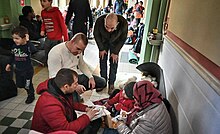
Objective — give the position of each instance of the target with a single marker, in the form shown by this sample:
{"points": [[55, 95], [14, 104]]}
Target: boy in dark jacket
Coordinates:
{"points": [[24, 71]]}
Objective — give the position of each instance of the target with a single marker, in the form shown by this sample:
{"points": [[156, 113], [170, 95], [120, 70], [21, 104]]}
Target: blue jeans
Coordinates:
{"points": [[104, 69]]}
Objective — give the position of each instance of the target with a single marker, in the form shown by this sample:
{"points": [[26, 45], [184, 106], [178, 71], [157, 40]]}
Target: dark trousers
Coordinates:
{"points": [[48, 45], [84, 80], [93, 127], [104, 69], [79, 27], [24, 80]]}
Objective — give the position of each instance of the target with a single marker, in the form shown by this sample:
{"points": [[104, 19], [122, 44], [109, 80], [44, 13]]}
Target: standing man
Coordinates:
{"points": [[82, 12], [110, 33], [69, 55]]}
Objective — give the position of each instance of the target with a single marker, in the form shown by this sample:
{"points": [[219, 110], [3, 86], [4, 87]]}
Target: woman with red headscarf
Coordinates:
{"points": [[149, 115]]}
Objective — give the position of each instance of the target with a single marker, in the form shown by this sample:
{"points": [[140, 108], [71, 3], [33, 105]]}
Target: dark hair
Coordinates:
{"points": [[20, 30], [141, 2], [129, 90], [65, 76], [26, 10], [82, 37]]}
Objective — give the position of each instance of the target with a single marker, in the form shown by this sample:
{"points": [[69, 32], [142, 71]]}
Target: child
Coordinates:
{"points": [[53, 26], [123, 100], [24, 71]]}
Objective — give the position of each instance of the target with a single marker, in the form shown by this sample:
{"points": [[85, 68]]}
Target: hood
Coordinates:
{"points": [[43, 86], [52, 9]]}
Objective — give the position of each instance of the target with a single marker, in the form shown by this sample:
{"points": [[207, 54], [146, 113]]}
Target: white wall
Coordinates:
{"points": [[195, 102]]}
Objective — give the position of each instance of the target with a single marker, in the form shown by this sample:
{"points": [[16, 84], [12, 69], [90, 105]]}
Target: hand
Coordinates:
{"points": [[42, 33], [90, 30], [80, 89], [119, 123], [91, 113], [91, 83], [8, 67], [114, 58], [89, 108], [102, 54], [106, 104]]}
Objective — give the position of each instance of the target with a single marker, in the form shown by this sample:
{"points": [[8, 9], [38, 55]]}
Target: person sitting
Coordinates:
{"points": [[149, 114], [123, 100], [69, 55], [55, 108], [27, 20]]}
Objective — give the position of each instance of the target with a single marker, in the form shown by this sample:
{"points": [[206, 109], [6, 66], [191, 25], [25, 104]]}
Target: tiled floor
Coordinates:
{"points": [[15, 115]]}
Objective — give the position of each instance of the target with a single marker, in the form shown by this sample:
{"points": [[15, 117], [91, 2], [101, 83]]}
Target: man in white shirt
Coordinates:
{"points": [[69, 55]]}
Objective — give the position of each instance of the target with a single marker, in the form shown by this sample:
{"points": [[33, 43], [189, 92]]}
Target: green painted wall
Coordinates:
{"points": [[12, 9]]}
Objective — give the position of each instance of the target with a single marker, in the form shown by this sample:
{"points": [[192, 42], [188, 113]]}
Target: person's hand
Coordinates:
{"points": [[90, 30], [106, 104], [119, 123], [80, 89], [42, 33], [114, 58], [89, 108], [8, 67], [91, 83], [91, 113], [102, 54]]}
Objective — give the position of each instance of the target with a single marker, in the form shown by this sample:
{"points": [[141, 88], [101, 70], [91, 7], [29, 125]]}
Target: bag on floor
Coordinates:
{"points": [[8, 89]]}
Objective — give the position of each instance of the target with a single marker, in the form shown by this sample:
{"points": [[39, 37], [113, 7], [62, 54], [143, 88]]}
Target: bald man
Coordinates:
{"points": [[110, 33], [69, 55]]}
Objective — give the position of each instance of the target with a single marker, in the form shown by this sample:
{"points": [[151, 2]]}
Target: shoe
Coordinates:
{"points": [[29, 99], [111, 89], [99, 89]]}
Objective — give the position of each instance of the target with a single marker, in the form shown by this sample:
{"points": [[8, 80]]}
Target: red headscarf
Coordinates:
{"points": [[144, 95]]}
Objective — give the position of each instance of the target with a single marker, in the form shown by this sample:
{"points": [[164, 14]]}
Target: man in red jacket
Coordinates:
{"points": [[55, 109]]}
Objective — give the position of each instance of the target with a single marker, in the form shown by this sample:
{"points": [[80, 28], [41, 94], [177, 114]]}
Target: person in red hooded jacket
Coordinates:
{"points": [[55, 108], [53, 26]]}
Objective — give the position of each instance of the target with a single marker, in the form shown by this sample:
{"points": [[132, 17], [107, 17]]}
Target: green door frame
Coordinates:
{"points": [[154, 18]]}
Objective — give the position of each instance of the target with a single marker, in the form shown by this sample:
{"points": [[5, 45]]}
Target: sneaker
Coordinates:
{"points": [[111, 89], [29, 99]]}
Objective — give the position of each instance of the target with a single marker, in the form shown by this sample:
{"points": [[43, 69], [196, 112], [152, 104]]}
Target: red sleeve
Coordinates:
{"points": [[79, 107], [115, 99], [63, 26], [127, 108], [53, 113], [42, 25]]}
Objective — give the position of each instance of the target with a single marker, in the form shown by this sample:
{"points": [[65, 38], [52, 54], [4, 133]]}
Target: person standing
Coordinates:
{"points": [[24, 70], [82, 11], [110, 33], [53, 26], [55, 108], [119, 7]]}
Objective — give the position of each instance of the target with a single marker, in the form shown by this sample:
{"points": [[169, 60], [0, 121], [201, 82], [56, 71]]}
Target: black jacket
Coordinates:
{"points": [[82, 12], [115, 39], [32, 26]]}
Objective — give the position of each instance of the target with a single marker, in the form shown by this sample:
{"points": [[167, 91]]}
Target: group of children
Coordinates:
{"points": [[53, 27]]}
